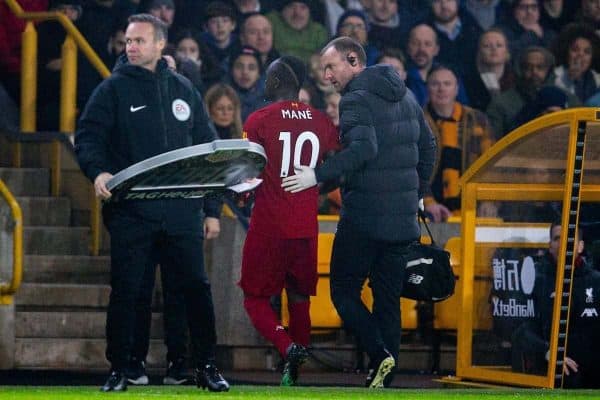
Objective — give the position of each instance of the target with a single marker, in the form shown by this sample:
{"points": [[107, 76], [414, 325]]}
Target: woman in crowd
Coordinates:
{"points": [[223, 106], [245, 76], [195, 61], [492, 72], [577, 53]]}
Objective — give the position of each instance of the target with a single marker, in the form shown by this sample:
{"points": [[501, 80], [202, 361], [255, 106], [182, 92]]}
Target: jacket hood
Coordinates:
{"points": [[122, 66], [381, 80]]}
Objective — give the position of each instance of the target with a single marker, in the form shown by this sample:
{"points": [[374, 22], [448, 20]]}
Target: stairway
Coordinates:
{"points": [[60, 309]]}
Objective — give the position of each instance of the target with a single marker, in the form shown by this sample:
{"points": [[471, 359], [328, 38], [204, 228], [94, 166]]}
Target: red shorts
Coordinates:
{"points": [[269, 264]]}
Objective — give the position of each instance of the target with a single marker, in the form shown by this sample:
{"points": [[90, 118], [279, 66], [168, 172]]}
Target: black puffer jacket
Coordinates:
{"points": [[387, 156]]}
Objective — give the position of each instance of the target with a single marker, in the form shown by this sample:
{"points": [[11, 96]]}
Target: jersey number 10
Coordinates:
{"points": [[286, 155]]}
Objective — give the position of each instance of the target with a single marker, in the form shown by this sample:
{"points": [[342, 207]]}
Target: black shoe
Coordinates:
{"points": [[296, 356], [176, 373], [116, 382], [379, 371], [136, 372], [210, 378]]}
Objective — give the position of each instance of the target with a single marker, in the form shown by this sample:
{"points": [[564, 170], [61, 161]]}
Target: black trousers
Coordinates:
{"points": [[174, 315], [139, 241], [355, 258]]}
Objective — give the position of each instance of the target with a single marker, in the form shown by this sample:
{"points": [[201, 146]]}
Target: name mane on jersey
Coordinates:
{"points": [[296, 114]]}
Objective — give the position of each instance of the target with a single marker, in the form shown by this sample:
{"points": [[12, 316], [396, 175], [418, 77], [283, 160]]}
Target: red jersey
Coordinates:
{"points": [[292, 133]]}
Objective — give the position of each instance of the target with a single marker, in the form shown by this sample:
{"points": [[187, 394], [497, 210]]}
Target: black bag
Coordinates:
{"points": [[428, 275]]}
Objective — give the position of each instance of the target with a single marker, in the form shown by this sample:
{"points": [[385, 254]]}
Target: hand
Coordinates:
{"points": [[212, 227], [170, 62], [438, 212], [570, 366], [303, 179], [100, 185]]}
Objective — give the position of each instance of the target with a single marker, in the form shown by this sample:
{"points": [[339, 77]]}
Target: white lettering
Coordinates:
{"points": [[296, 114], [513, 309]]}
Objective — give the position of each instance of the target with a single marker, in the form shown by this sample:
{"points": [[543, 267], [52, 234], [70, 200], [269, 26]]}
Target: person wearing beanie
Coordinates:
{"points": [[294, 31], [219, 27], [354, 23], [245, 70], [281, 246]]}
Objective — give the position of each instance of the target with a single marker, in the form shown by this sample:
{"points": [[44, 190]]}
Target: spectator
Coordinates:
{"points": [[422, 49], [219, 27], [11, 30], [555, 14], [395, 58], [195, 60], [353, 23], [548, 99], [143, 234], [531, 340], [224, 110], [245, 76], [535, 64], [485, 12], [524, 28], [457, 34], [246, 7], [589, 14], [462, 135], [492, 73], [333, 12], [294, 32], [162, 9], [256, 31], [51, 36], [385, 29], [577, 54], [116, 43]]}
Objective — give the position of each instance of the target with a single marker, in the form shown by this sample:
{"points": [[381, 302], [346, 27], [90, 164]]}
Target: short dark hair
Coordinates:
{"points": [[558, 222], [442, 67], [548, 57], [392, 52], [160, 28], [345, 45]]}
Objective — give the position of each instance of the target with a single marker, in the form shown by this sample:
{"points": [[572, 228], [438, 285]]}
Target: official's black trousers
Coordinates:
{"points": [[355, 258], [139, 241], [174, 315]]}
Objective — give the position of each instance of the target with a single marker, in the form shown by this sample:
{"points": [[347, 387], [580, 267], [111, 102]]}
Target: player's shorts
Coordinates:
{"points": [[270, 264]]}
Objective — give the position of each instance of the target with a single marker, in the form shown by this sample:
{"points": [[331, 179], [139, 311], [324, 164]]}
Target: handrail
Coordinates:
{"points": [[68, 93], [8, 290], [72, 31]]}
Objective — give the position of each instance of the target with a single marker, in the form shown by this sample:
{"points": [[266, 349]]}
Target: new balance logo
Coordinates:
{"points": [[134, 109], [415, 279], [589, 312]]}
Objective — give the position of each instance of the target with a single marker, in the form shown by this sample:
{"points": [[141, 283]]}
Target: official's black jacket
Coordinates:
{"points": [[387, 156], [136, 114]]}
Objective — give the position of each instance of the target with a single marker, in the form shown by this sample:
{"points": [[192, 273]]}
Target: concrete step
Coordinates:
{"points": [[66, 269], [62, 295], [71, 324], [42, 240], [26, 181], [74, 354], [45, 210]]}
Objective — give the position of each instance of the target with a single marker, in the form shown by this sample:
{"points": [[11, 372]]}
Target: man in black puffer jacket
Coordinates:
{"points": [[384, 166], [142, 110]]}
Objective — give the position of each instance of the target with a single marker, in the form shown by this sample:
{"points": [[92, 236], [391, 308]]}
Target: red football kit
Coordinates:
{"points": [[281, 245]]}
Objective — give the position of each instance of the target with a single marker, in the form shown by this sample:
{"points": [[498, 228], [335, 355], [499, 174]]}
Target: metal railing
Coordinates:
{"points": [[68, 95], [7, 290]]}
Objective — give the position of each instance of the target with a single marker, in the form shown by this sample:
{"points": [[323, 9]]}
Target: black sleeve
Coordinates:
{"points": [[92, 145], [359, 140], [427, 150]]}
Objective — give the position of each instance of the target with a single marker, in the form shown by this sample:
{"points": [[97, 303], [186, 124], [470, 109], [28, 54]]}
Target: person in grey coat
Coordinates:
{"points": [[387, 158]]}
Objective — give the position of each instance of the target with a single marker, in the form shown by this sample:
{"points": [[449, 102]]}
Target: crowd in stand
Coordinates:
{"points": [[479, 68]]}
